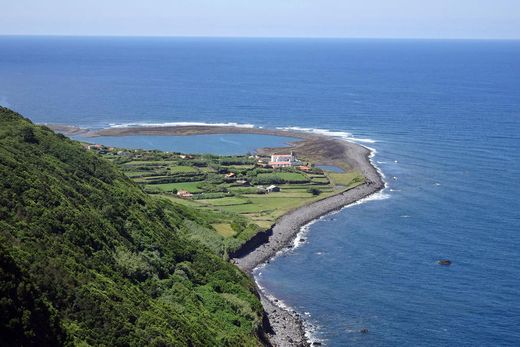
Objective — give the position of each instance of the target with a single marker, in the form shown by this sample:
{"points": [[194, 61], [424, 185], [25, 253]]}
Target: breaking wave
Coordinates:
{"points": [[172, 124], [340, 134], [309, 327]]}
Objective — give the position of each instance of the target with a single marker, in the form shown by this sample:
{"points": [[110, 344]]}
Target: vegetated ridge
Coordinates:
{"points": [[87, 258]]}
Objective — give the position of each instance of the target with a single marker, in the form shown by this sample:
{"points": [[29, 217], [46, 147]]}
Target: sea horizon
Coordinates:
{"points": [[205, 37], [443, 118]]}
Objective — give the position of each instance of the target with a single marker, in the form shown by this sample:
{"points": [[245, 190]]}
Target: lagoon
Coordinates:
{"points": [[220, 144], [331, 168]]}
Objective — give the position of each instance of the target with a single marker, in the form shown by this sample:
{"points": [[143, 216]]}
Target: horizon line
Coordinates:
{"points": [[267, 37]]}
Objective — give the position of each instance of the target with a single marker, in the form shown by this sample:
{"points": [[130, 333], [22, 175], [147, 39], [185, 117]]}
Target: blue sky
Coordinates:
{"points": [[495, 19]]}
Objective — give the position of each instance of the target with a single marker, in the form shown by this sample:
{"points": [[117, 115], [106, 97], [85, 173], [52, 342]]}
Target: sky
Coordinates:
{"points": [[443, 19]]}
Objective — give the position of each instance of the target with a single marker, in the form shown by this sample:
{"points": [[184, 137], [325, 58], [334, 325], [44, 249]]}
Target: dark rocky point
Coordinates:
{"points": [[445, 262]]}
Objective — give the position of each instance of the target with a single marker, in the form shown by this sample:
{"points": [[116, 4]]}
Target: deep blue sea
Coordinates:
{"points": [[444, 117]]}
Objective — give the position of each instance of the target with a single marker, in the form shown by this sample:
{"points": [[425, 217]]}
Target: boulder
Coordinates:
{"points": [[445, 262]]}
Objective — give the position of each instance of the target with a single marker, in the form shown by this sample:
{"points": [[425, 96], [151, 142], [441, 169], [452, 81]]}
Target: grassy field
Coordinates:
{"points": [[225, 199], [270, 207], [150, 162], [185, 202], [182, 168], [348, 179], [287, 176], [264, 209], [192, 187], [324, 180], [261, 209], [224, 229]]}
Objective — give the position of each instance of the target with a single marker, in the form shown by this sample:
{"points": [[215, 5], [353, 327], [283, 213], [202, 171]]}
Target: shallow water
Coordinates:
{"points": [[225, 144], [331, 168], [443, 116]]}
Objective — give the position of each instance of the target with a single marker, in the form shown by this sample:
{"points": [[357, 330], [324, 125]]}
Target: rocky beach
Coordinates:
{"points": [[287, 325]]}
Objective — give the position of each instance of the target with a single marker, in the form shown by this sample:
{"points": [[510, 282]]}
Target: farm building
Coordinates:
{"points": [[184, 194], [272, 188], [283, 160]]}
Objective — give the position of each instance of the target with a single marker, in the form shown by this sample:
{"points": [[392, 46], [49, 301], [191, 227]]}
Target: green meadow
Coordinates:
{"points": [[232, 188]]}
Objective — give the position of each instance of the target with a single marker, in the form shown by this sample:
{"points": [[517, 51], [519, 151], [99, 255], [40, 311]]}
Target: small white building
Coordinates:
{"points": [[272, 188]]}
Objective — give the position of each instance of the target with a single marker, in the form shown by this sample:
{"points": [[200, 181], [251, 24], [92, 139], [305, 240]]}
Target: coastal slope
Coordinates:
{"points": [[87, 258]]}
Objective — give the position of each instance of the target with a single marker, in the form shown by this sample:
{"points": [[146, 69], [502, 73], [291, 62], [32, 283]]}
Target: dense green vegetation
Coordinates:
{"points": [[87, 258]]}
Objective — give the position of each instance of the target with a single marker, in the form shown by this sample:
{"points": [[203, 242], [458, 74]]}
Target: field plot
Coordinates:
{"points": [[192, 187], [182, 168], [224, 229], [348, 179]]}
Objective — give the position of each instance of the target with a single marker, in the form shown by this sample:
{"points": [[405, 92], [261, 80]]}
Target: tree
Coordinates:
{"points": [[28, 135]]}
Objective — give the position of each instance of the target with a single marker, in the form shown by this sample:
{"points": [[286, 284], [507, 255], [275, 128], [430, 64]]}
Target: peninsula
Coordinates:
{"points": [[276, 233]]}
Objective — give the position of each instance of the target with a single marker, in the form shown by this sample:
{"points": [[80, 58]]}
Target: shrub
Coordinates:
{"points": [[314, 191]]}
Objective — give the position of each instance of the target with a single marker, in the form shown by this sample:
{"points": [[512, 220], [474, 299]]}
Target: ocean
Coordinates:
{"points": [[442, 116]]}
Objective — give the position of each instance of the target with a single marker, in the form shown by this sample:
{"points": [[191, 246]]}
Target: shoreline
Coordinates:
{"points": [[293, 324], [283, 326], [288, 326]]}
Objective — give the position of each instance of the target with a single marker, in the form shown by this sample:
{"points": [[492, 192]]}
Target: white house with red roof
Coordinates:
{"points": [[283, 160]]}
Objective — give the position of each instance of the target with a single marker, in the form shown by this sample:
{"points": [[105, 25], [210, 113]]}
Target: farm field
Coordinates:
{"points": [[239, 196]]}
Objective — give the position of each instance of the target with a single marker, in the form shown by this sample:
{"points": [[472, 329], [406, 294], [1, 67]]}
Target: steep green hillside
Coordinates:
{"points": [[88, 258]]}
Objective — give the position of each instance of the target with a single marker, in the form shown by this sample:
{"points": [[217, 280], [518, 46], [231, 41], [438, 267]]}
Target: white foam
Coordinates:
{"points": [[317, 131], [309, 327], [380, 195], [172, 124], [357, 139], [340, 134], [299, 239]]}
